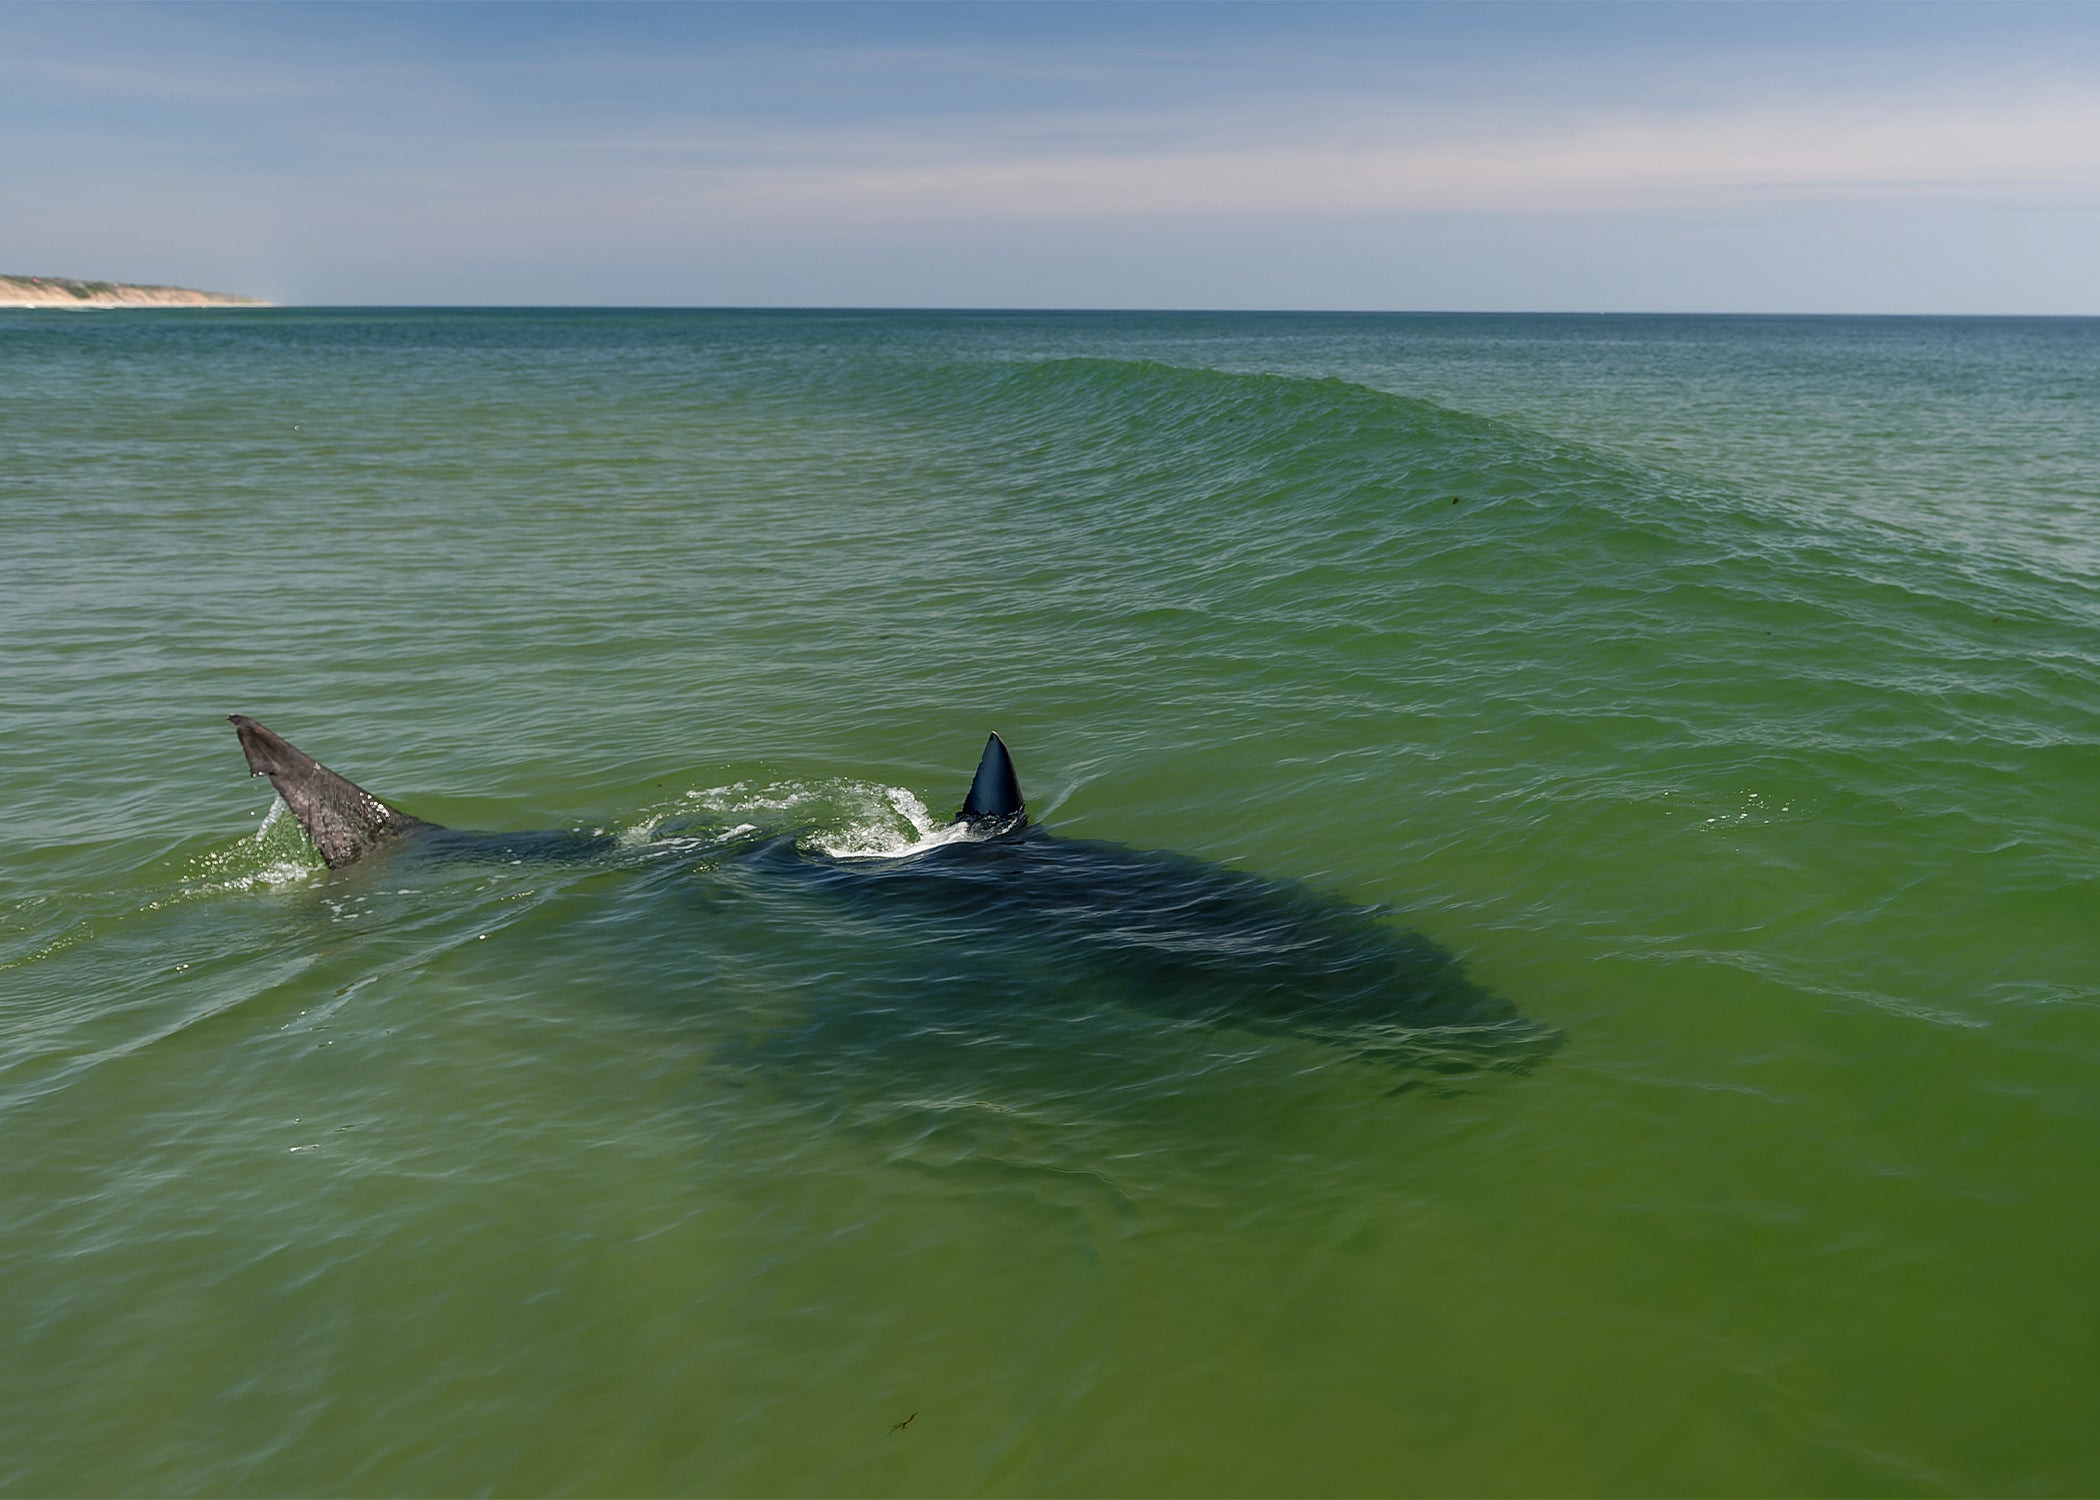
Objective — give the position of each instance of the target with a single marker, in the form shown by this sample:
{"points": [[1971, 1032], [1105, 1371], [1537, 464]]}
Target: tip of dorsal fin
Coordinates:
{"points": [[344, 820], [995, 794]]}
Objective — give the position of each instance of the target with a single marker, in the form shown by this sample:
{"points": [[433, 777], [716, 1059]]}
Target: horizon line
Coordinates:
{"points": [[1020, 310]]}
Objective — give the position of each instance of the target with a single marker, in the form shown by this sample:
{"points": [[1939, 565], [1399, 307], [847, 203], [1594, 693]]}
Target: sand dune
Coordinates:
{"points": [[60, 291]]}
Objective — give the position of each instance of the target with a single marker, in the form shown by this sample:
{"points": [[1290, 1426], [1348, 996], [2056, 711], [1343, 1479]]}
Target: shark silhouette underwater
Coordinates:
{"points": [[1176, 935]]}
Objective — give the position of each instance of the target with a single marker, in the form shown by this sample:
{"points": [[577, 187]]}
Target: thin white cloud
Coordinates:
{"points": [[2034, 149]]}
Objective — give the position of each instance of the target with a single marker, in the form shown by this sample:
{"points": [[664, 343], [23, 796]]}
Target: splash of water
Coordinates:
{"points": [[842, 818]]}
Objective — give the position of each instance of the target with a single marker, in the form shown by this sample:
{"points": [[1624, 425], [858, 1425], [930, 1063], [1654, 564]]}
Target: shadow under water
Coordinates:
{"points": [[1028, 919]]}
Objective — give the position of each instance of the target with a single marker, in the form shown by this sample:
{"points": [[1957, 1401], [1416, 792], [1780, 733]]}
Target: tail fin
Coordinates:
{"points": [[995, 795], [345, 821]]}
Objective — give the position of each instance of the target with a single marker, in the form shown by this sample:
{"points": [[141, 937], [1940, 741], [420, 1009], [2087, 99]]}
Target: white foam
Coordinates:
{"points": [[279, 875], [883, 839], [643, 832], [266, 860], [688, 843], [844, 819]]}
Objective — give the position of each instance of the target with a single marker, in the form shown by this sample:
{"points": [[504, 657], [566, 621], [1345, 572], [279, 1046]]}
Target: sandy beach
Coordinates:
{"points": [[62, 292]]}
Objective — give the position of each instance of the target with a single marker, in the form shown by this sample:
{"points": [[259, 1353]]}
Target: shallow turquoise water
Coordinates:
{"points": [[1720, 692]]}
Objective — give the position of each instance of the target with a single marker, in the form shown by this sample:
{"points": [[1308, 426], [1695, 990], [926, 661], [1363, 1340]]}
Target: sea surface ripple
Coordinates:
{"points": [[1719, 694]]}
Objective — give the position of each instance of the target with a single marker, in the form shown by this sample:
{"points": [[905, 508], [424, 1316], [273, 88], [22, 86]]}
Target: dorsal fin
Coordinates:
{"points": [[995, 794], [345, 821]]}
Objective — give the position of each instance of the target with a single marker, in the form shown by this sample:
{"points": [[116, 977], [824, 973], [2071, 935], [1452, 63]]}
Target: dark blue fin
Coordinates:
{"points": [[995, 796], [345, 821]]}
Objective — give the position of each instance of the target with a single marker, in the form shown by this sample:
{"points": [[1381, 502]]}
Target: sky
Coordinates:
{"points": [[1721, 157]]}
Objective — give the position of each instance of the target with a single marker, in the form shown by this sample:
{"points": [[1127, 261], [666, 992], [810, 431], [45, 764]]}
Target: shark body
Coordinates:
{"points": [[1049, 915]]}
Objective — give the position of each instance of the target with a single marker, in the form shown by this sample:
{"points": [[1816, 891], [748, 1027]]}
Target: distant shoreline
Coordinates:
{"points": [[65, 293]]}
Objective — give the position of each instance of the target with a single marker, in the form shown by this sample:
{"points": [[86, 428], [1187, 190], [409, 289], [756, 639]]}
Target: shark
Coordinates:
{"points": [[1177, 935]]}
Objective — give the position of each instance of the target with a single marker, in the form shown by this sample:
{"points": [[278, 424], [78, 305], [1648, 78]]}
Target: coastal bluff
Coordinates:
{"points": [[63, 292]]}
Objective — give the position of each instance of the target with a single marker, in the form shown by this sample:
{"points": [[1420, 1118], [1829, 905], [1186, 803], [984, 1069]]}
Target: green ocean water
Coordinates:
{"points": [[1722, 693]]}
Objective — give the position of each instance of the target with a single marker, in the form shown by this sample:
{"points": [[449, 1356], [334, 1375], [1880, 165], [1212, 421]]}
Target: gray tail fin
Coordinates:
{"points": [[345, 821], [995, 795]]}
